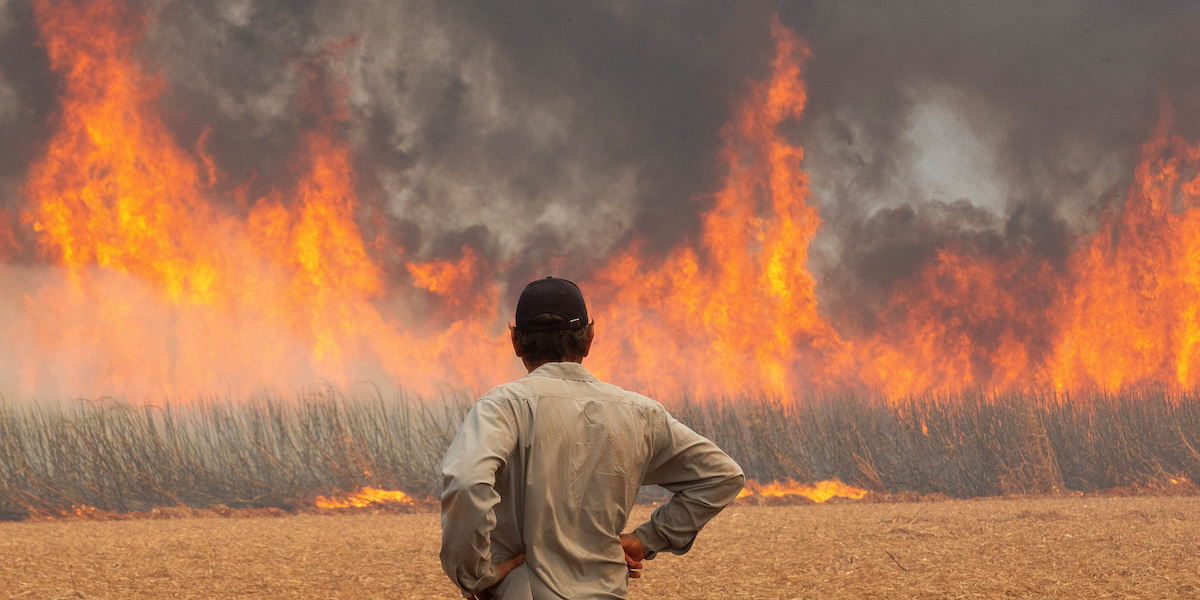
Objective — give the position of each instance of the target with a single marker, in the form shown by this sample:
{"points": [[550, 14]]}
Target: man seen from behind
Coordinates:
{"points": [[539, 481]]}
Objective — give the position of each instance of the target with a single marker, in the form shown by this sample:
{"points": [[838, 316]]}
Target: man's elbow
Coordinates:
{"points": [[732, 486], [719, 489]]}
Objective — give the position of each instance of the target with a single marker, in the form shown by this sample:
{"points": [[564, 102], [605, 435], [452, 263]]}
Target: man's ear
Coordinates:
{"points": [[512, 333], [591, 335]]}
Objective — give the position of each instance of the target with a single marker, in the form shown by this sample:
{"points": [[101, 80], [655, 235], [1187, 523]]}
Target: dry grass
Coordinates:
{"points": [[1146, 547], [274, 452]]}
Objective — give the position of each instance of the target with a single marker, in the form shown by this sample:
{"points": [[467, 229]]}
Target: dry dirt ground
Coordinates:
{"points": [[1147, 547]]}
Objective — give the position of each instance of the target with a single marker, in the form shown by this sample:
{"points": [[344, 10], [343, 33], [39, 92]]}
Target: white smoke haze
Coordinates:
{"points": [[141, 348]]}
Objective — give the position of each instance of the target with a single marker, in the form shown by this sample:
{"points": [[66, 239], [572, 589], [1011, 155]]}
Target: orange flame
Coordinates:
{"points": [[165, 294], [1132, 316], [1124, 312], [817, 492], [364, 497], [740, 312], [77, 511], [162, 287]]}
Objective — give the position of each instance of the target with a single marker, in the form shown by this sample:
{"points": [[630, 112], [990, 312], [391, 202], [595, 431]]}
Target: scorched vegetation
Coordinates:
{"points": [[278, 452]]}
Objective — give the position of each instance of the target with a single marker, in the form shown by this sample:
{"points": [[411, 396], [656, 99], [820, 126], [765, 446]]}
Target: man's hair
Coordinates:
{"points": [[555, 346]]}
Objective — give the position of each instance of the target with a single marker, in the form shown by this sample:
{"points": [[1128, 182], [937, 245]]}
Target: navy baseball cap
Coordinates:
{"points": [[555, 296]]}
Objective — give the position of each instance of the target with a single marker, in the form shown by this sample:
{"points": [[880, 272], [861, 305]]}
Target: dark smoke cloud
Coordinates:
{"points": [[27, 98], [562, 129], [547, 134]]}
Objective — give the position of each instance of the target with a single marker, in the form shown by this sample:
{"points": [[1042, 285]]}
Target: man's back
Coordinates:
{"points": [[564, 455]]}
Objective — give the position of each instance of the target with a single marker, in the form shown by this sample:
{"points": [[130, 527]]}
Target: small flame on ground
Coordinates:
{"points": [[364, 497], [77, 510], [817, 492]]}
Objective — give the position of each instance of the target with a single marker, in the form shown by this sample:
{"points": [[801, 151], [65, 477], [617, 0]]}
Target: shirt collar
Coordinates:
{"points": [[563, 370]]}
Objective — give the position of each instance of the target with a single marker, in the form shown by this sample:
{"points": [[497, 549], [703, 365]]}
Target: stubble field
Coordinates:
{"points": [[1144, 547]]}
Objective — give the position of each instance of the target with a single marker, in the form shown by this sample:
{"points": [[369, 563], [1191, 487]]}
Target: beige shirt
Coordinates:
{"points": [[550, 465]]}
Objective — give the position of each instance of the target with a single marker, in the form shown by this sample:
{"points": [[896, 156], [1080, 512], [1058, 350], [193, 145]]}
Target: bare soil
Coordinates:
{"points": [[1140, 547]]}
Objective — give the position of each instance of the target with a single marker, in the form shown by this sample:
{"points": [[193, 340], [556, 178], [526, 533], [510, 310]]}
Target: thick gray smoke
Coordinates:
{"points": [[534, 131]]}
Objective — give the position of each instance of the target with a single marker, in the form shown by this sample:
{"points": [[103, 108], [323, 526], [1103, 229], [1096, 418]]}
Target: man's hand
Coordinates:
{"points": [[503, 568], [635, 553], [507, 566]]}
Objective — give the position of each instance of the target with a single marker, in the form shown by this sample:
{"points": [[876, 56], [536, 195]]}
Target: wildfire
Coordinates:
{"points": [[163, 285], [817, 492], [165, 293], [739, 312], [364, 497]]}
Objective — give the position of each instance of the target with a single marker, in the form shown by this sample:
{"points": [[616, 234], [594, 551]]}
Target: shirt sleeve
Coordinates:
{"points": [[703, 480], [481, 447]]}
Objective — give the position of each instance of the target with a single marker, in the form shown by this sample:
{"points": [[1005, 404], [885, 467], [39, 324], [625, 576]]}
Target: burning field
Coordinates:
{"points": [[141, 268], [261, 257]]}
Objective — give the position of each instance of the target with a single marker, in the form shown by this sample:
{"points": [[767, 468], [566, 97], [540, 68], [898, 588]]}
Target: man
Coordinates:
{"points": [[541, 476]]}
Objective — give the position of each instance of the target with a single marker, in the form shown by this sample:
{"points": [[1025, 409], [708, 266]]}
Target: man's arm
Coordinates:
{"points": [[483, 443], [703, 479]]}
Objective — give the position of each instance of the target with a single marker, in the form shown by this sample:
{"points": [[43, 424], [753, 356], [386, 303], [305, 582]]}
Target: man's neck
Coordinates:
{"points": [[531, 365]]}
